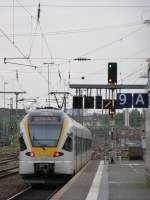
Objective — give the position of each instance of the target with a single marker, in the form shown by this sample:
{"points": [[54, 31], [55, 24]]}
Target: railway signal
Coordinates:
{"points": [[112, 73]]}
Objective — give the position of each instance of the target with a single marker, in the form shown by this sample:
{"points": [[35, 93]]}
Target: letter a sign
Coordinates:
{"points": [[140, 100]]}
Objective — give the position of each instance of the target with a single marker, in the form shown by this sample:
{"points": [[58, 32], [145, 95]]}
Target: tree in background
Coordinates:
{"points": [[136, 119], [119, 119]]}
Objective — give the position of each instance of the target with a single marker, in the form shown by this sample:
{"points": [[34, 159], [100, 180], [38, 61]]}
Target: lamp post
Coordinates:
{"points": [[5, 83], [48, 88]]}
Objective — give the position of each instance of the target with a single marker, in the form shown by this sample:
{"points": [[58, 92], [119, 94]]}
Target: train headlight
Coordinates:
{"points": [[57, 154], [31, 154]]}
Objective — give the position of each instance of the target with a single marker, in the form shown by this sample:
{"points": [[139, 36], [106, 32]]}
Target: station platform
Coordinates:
{"points": [[100, 181]]}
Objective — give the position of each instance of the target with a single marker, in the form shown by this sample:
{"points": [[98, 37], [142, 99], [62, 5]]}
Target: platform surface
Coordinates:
{"points": [[81, 186], [127, 181], [119, 181]]}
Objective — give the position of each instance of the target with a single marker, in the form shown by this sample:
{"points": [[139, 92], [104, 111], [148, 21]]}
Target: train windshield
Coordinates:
{"points": [[45, 131], [44, 135]]}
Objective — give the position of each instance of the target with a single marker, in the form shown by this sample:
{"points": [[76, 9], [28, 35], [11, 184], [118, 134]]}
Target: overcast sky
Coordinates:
{"points": [[104, 31]]}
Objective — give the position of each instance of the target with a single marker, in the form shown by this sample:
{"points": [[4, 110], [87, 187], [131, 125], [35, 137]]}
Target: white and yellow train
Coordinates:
{"points": [[52, 145]]}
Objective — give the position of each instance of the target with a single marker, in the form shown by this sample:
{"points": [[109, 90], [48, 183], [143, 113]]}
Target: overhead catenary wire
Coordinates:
{"points": [[89, 5], [18, 49], [105, 45], [24, 7], [133, 73], [77, 31], [13, 22], [13, 44], [119, 58], [46, 43], [140, 68], [69, 59], [32, 42], [31, 15], [38, 24], [113, 42], [126, 36], [91, 59]]}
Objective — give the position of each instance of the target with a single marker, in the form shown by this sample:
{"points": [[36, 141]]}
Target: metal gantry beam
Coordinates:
{"points": [[106, 86], [16, 93], [13, 92]]}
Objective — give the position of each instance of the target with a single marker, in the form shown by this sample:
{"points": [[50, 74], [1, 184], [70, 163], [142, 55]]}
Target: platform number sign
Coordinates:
{"points": [[124, 100], [129, 100], [140, 100]]}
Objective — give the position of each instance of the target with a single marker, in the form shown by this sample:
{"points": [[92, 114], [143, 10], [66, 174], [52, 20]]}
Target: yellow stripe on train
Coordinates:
{"points": [[38, 151]]}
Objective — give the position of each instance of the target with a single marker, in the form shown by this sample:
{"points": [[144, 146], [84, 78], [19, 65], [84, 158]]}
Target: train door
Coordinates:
{"points": [[75, 150], [81, 150], [86, 150]]}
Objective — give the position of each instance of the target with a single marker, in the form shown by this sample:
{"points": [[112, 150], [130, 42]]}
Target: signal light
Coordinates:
{"points": [[110, 81], [112, 73]]}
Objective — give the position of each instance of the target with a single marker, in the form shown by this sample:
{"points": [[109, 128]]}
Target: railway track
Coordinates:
{"points": [[7, 160], [8, 171], [39, 193], [42, 192], [5, 155], [8, 164]]}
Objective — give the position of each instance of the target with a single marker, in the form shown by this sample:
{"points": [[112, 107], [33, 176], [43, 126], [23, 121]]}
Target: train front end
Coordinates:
{"points": [[41, 146]]}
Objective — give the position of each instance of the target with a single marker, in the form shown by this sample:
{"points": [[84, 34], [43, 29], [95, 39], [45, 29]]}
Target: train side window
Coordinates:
{"points": [[22, 144], [68, 144]]}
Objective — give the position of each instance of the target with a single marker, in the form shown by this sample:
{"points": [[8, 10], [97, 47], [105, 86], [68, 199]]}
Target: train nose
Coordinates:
{"points": [[44, 168]]}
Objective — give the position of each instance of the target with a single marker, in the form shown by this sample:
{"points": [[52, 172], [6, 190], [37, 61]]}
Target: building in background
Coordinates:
{"points": [[9, 123]]}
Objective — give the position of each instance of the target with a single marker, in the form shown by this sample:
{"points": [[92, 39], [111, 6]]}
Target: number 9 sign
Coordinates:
{"points": [[124, 100]]}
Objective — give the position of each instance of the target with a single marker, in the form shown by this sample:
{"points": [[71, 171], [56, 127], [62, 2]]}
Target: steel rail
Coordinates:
{"points": [[20, 193], [8, 160], [8, 172], [53, 193]]}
